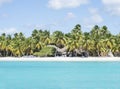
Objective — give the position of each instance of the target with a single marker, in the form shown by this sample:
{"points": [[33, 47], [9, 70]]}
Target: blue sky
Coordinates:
{"points": [[26, 15]]}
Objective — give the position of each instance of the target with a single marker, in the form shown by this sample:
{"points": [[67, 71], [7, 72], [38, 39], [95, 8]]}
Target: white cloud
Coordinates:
{"points": [[112, 6], [34, 26], [8, 30], [4, 15], [111, 2], [95, 18], [60, 4], [70, 15], [93, 10], [4, 1]]}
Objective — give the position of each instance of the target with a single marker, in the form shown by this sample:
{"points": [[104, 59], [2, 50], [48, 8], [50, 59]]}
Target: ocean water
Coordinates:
{"points": [[59, 75]]}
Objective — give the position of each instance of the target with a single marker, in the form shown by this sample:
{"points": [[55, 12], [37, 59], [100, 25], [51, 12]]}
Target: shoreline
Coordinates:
{"points": [[62, 59]]}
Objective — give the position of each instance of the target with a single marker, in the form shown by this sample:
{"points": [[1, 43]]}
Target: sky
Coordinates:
{"points": [[27, 15]]}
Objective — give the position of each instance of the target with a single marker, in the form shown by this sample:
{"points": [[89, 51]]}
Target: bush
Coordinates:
{"points": [[46, 52]]}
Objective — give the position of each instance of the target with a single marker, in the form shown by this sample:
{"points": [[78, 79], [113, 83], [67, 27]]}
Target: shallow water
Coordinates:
{"points": [[59, 75]]}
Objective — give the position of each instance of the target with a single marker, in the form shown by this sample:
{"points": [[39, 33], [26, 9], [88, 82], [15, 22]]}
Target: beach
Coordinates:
{"points": [[60, 59]]}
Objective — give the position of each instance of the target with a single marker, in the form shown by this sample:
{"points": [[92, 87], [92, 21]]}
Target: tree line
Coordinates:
{"points": [[98, 42]]}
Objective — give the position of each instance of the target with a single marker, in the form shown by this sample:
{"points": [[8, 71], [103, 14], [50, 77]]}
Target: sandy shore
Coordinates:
{"points": [[102, 59]]}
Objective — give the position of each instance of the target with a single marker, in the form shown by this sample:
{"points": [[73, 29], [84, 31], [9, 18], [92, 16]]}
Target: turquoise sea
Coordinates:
{"points": [[59, 75]]}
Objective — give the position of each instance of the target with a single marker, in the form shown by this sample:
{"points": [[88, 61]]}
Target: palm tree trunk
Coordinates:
{"points": [[98, 53]]}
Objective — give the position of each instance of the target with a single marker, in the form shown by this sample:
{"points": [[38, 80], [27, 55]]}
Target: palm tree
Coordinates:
{"points": [[88, 44], [77, 29], [36, 37], [18, 44], [74, 39], [96, 36], [58, 38], [45, 37], [3, 44]]}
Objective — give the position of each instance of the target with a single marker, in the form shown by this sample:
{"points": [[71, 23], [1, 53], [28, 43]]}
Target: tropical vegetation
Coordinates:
{"points": [[46, 51], [98, 42]]}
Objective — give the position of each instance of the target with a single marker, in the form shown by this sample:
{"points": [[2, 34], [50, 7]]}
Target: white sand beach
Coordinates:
{"points": [[60, 59]]}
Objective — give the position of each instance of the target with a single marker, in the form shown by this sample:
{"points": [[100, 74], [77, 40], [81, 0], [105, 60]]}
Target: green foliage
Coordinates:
{"points": [[98, 41], [46, 52]]}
